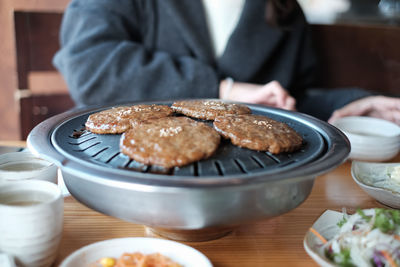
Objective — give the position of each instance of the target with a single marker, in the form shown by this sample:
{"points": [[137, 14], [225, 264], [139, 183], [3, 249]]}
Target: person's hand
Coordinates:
{"points": [[270, 94], [383, 107]]}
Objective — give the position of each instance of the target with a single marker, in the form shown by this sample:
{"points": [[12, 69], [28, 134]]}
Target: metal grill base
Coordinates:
{"points": [[200, 235]]}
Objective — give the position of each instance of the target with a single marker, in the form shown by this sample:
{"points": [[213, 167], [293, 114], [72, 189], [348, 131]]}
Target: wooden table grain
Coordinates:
{"points": [[271, 242]]}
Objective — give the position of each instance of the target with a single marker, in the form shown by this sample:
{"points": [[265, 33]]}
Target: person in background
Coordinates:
{"points": [[255, 51]]}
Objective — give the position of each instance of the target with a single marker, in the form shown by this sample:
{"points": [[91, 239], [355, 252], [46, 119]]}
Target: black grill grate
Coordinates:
{"points": [[74, 142]]}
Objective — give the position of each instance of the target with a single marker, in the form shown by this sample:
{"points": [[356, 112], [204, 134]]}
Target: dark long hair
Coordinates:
{"points": [[281, 13]]}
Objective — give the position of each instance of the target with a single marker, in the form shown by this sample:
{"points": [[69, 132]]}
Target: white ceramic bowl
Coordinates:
{"points": [[374, 179], [31, 223], [371, 139], [178, 252], [16, 166]]}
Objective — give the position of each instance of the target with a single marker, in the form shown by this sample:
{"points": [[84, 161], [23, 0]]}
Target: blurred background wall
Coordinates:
{"points": [[357, 41]]}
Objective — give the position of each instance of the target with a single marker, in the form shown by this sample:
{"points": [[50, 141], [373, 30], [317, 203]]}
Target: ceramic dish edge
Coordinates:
{"points": [[326, 225], [178, 252]]}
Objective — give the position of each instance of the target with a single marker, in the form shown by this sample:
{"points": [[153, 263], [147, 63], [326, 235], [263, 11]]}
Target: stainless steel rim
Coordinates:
{"points": [[337, 148]]}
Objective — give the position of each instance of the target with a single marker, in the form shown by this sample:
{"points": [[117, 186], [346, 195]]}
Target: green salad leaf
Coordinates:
{"points": [[362, 214], [386, 220], [342, 221], [343, 258]]}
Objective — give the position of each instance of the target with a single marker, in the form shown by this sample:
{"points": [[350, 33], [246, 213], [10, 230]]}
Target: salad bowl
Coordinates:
{"points": [[369, 237]]}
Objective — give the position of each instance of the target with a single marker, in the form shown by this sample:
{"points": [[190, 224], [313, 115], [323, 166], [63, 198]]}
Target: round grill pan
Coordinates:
{"points": [[200, 201], [72, 141], [63, 140]]}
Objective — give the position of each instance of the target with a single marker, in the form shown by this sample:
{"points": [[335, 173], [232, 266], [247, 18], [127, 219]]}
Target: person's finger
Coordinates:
{"points": [[269, 100], [275, 93], [387, 108], [340, 113], [392, 115], [280, 93], [356, 108], [290, 103], [344, 112], [386, 103]]}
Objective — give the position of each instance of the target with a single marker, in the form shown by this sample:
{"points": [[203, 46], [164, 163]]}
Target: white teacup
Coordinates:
{"points": [[24, 165], [31, 223]]}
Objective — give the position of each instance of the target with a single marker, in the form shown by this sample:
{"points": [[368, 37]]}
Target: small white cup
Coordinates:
{"points": [[371, 139], [31, 223], [16, 166]]}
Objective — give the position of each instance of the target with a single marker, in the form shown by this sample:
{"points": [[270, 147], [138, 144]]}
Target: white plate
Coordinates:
{"points": [[374, 180], [180, 253], [326, 225]]}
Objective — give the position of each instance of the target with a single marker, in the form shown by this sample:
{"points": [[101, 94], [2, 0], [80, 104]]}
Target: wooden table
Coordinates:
{"points": [[273, 242]]}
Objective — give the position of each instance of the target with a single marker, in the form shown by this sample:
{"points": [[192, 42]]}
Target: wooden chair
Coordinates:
{"points": [[41, 91]]}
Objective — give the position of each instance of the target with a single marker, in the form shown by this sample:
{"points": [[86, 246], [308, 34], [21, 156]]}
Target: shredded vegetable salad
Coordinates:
{"points": [[369, 237]]}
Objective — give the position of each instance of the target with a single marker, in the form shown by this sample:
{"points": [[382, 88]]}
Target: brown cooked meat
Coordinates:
{"points": [[208, 109], [258, 132], [119, 119], [169, 142]]}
